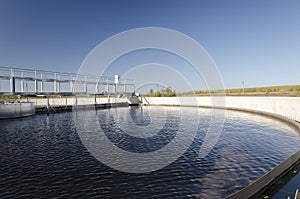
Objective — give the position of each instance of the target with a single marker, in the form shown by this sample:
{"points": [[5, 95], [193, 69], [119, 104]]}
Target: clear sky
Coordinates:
{"points": [[255, 41]]}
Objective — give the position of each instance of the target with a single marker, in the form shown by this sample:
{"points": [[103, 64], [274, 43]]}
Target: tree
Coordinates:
{"points": [[168, 92], [151, 92]]}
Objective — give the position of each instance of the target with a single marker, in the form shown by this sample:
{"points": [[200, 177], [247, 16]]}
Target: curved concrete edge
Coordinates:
{"points": [[273, 174], [16, 110], [285, 106], [292, 123], [277, 171], [266, 179]]}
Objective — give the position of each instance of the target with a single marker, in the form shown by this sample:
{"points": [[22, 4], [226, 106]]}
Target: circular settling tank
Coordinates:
{"points": [[44, 156]]}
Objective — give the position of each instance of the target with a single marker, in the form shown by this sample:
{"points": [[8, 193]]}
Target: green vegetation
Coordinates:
{"points": [[9, 97], [168, 92], [290, 90]]}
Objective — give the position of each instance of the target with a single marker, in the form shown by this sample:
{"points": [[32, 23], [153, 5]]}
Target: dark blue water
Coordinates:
{"points": [[43, 156]]}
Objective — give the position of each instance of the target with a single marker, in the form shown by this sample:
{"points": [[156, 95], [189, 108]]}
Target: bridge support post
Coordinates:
{"points": [[76, 102], [48, 105]]}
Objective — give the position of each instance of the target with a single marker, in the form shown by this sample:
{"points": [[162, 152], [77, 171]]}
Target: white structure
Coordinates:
{"points": [[285, 106], [15, 110]]}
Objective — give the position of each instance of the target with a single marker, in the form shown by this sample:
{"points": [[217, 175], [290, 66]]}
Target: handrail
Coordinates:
{"points": [[13, 75]]}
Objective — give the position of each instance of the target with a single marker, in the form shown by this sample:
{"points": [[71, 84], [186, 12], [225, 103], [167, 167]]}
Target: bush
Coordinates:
{"points": [[281, 91]]}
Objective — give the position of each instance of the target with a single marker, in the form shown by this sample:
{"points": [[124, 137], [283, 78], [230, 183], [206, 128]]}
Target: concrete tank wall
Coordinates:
{"points": [[285, 106], [71, 101], [15, 110]]}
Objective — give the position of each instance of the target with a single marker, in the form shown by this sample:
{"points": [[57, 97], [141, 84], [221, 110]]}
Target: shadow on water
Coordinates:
{"points": [[139, 116], [136, 144]]}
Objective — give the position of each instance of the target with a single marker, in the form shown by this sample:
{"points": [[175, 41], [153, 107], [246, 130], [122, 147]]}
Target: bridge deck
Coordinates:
{"points": [[17, 81]]}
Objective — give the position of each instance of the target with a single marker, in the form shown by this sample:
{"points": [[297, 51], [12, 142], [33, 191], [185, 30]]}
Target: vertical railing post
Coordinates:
{"points": [[35, 83], [71, 83], [85, 85], [42, 83], [116, 83], [22, 83], [12, 81], [97, 86], [124, 86], [58, 82], [106, 87], [26, 87], [74, 84], [54, 83]]}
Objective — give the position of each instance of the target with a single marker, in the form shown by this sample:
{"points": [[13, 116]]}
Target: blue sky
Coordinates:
{"points": [[256, 41]]}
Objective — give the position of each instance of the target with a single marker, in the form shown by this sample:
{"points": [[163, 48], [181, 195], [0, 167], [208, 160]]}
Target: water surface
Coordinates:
{"points": [[43, 156]]}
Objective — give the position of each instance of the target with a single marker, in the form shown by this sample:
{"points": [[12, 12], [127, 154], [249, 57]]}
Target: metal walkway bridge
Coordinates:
{"points": [[18, 81]]}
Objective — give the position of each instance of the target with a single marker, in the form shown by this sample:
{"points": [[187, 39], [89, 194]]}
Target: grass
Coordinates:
{"points": [[288, 90]]}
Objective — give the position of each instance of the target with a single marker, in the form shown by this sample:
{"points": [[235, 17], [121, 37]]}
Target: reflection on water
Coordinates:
{"points": [[43, 156]]}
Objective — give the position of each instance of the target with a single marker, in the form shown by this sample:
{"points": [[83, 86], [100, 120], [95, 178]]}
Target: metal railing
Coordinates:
{"points": [[297, 195], [18, 81]]}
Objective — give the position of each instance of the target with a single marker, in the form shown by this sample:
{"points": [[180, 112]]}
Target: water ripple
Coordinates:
{"points": [[43, 157]]}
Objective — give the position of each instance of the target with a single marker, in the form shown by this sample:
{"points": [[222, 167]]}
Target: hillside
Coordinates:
{"points": [[288, 90]]}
